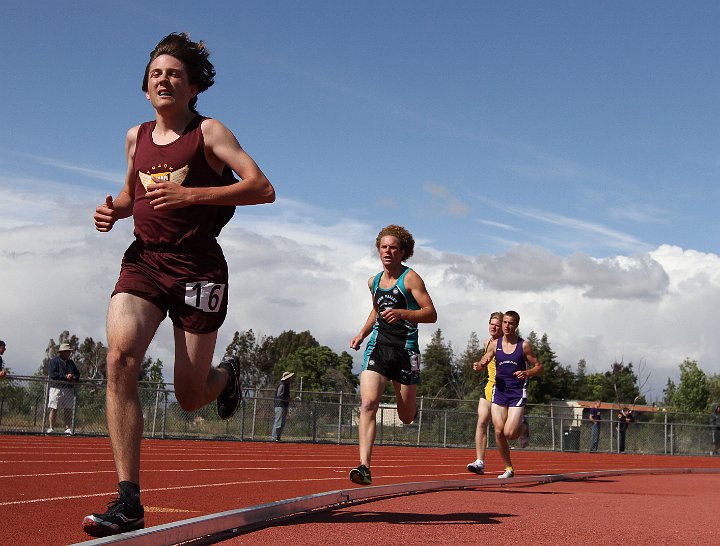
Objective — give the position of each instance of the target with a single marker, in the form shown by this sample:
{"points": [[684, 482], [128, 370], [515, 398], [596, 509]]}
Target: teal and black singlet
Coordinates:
{"points": [[392, 349], [402, 334]]}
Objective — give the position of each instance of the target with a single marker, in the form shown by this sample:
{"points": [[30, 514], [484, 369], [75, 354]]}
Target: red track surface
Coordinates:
{"points": [[49, 483]]}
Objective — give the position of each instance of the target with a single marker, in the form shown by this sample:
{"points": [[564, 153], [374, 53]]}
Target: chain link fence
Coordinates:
{"points": [[333, 417]]}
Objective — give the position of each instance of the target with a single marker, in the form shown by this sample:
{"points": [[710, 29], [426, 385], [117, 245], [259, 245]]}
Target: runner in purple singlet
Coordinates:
{"points": [[512, 355]]}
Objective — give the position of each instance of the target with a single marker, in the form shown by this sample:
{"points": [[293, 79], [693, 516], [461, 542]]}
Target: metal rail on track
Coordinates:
{"points": [[245, 519]]}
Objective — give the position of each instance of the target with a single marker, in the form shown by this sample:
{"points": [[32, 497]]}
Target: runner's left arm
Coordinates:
{"points": [[426, 313], [221, 149], [536, 368]]}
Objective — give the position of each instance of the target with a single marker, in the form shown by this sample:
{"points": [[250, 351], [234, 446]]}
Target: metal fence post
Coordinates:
{"points": [[419, 424], [254, 417], [242, 420], [164, 419], [672, 438], [155, 410], [382, 422], [74, 411], [314, 422], [445, 429], [47, 394], [35, 412], [339, 427]]}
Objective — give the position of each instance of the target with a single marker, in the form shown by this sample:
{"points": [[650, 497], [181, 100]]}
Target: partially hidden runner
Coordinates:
{"points": [[485, 402]]}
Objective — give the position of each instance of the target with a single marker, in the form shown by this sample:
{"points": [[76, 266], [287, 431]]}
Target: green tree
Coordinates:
{"points": [[438, 379], [669, 393], [714, 388], [469, 381], [320, 368], [251, 353], [91, 359], [13, 397], [620, 385], [555, 382], [342, 377], [152, 372], [288, 342], [580, 389], [594, 388], [693, 393]]}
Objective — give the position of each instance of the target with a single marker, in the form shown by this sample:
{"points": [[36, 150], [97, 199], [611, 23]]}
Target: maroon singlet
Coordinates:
{"points": [[175, 261], [182, 161]]}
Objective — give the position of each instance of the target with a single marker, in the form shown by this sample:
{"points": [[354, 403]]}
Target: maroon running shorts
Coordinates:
{"points": [[189, 285]]}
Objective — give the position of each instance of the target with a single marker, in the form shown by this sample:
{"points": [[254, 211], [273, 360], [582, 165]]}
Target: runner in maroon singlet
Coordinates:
{"points": [[181, 191]]}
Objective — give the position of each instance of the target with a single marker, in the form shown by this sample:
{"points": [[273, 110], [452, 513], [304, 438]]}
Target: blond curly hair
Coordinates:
{"points": [[404, 236], [497, 314]]}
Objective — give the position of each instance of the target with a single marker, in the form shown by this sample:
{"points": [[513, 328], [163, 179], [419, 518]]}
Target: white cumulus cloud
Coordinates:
{"points": [[289, 271]]}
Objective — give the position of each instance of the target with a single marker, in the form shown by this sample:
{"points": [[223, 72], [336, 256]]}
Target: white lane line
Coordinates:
{"points": [[200, 486]]}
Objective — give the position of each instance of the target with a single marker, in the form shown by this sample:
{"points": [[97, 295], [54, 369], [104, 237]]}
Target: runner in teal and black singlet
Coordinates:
{"points": [[394, 342], [399, 302]]}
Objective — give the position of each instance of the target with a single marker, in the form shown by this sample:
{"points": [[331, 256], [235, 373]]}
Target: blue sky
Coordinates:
{"points": [[557, 157]]}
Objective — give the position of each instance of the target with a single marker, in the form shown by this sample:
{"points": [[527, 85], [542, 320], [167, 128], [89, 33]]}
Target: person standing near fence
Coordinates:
{"points": [[715, 423], [595, 430], [63, 375], [3, 372], [400, 302], [485, 402], [181, 191], [625, 417], [512, 355], [282, 405]]}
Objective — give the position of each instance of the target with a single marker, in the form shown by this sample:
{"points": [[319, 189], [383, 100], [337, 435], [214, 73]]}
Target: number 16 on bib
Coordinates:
{"points": [[204, 295]]}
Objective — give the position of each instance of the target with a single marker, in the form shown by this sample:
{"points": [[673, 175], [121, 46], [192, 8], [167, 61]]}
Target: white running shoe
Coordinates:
{"points": [[476, 467], [49, 431], [68, 431], [507, 474]]}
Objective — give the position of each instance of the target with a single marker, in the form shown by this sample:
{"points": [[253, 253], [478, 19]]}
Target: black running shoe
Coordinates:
{"points": [[229, 400], [361, 475], [121, 516]]}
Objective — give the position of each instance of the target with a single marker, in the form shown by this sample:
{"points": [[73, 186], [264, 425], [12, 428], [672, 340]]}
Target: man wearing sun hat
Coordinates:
{"points": [[63, 375], [3, 371], [282, 403]]}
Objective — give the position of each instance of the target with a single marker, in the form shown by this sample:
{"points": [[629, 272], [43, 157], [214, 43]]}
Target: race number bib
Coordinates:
{"points": [[203, 295], [415, 362]]}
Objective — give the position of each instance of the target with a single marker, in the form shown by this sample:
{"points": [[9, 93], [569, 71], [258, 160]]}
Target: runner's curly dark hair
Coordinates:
{"points": [[404, 236], [194, 55]]}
